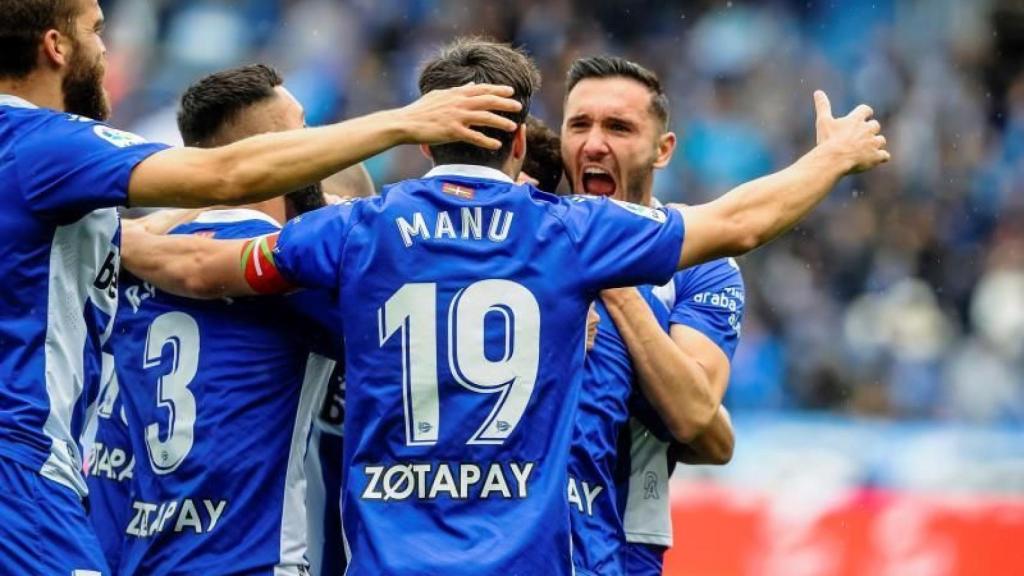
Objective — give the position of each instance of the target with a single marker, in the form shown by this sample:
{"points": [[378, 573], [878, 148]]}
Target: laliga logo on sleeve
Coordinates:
{"points": [[647, 212], [118, 138]]}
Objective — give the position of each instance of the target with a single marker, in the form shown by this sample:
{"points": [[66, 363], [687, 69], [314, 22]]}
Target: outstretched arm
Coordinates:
{"points": [[268, 165], [194, 266], [756, 212]]}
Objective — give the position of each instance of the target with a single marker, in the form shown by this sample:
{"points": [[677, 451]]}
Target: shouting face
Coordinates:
{"points": [[611, 141]]}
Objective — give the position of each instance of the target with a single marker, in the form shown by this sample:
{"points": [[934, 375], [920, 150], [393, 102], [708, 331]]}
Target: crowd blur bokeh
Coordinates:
{"points": [[902, 296]]}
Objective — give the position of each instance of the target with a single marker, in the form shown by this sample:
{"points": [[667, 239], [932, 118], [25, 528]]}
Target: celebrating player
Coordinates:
{"points": [[614, 136], [220, 395], [464, 298], [62, 174]]}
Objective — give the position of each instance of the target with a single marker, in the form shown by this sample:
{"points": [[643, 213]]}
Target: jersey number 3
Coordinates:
{"points": [[179, 331], [412, 313]]}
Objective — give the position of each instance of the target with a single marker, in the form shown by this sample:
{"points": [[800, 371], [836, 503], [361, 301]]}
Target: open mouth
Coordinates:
{"points": [[598, 182]]}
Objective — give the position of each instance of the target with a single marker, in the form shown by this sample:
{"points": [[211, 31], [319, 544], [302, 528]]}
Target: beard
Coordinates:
{"points": [[83, 87], [639, 184], [304, 200]]}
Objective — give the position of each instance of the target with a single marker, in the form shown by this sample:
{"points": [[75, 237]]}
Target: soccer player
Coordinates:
{"points": [[615, 136], [464, 299], [62, 174], [220, 395]]}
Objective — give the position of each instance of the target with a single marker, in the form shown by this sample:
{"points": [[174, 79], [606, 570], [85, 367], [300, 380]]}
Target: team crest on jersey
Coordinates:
{"points": [[464, 192], [118, 138], [645, 211]]}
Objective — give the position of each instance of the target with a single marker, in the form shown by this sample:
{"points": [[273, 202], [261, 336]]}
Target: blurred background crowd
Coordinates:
{"points": [[903, 296]]}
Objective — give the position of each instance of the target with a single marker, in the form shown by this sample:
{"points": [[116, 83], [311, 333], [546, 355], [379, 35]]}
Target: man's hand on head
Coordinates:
{"points": [[457, 114]]}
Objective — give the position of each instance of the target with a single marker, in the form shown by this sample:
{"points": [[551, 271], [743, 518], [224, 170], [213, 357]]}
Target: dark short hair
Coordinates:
{"points": [[22, 26], [543, 154], [615, 67], [216, 99], [484, 62]]}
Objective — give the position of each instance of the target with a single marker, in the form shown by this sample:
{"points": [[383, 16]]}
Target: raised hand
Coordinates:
{"points": [[457, 114], [855, 137]]}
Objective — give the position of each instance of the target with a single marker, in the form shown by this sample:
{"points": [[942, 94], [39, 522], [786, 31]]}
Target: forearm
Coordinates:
{"points": [[263, 166], [189, 266], [712, 446], [758, 211], [675, 384]]}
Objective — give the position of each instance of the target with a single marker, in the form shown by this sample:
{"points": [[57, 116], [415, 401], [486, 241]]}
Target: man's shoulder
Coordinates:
{"points": [[723, 271]]}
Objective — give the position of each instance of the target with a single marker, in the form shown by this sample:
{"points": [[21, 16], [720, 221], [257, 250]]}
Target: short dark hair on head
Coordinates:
{"points": [[216, 99], [484, 62], [22, 26], [543, 155], [615, 67]]}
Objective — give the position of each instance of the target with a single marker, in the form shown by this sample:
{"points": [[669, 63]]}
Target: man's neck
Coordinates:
{"points": [[33, 89]]}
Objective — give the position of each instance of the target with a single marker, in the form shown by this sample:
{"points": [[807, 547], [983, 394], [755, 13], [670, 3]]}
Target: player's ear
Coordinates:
{"points": [[425, 150], [55, 49], [666, 147], [519, 142]]}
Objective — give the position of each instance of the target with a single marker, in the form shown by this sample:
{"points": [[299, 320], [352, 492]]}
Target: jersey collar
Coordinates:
{"points": [[233, 215], [470, 171], [14, 101]]}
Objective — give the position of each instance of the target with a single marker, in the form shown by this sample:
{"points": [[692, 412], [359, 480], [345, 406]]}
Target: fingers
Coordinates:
{"points": [[489, 120], [884, 156], [471, 136], [874, 127], [821, 105], [862, 112], [881, 141], [495, 103], [484, 89]]}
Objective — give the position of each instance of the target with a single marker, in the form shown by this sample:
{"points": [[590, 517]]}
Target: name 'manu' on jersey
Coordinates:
{"points": [[60, 177], [465, 301]]}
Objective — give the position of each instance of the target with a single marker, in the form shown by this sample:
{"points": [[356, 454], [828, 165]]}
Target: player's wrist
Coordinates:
{"points": [[833, 157], [394, 126]]}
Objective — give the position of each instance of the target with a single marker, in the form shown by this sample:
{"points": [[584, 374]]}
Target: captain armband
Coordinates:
{"points": [[258, 265]]}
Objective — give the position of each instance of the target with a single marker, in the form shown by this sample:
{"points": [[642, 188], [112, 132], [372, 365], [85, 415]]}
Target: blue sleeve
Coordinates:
{"points": [[310, 247], [69, 166], [710, 299], [623, 244]]}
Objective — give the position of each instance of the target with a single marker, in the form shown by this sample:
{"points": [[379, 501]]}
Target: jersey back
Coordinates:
{"points": [[60, 177], [465, 301], [219, 396], [608, 382]]}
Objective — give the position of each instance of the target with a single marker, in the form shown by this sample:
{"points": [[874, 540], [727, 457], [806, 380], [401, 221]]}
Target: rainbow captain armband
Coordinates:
{"points": [[258, 265]]}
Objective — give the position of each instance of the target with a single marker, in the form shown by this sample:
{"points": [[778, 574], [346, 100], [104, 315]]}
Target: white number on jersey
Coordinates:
{"points": [[180, 331], [412, 311]]}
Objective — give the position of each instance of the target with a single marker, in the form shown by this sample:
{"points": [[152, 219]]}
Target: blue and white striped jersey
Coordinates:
{"points": [[60, 178]]}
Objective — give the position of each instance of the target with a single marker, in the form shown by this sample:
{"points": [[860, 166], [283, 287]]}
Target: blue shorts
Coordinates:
{"points": [[644, 559], [43, 527]]}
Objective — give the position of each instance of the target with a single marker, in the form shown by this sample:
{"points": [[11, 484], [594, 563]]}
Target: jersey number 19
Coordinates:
{"points": [[412, 312]]}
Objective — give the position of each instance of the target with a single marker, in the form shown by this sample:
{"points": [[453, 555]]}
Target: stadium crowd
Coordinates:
{"points": [[899, 297]]}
